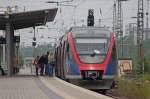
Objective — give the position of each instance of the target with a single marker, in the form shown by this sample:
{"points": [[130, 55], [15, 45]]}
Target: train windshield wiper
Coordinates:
{"points": [[95, 52]]}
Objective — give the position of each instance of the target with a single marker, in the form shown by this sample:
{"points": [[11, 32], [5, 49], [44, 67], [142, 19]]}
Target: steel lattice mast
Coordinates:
{"points": [[114, 18], [140, 32], [119, 34]]}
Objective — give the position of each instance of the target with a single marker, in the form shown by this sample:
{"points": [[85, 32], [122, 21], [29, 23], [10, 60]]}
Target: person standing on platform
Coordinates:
{"points": [[46, 64], [50, 59], [41, 64], [36, 65], [15, 69]]}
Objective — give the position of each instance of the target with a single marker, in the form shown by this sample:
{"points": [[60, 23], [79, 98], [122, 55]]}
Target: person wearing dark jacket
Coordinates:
{"points": [[36, 64], [46, 64], [41, 63]]}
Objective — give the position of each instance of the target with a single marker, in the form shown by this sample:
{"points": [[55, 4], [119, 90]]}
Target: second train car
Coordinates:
{"points": [[86, 56]]}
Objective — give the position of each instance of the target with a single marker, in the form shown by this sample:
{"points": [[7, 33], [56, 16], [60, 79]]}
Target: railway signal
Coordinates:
{"points": [[90, 20]]}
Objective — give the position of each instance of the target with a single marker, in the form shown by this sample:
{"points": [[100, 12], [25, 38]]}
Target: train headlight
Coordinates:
{"points": [[92, 74]]}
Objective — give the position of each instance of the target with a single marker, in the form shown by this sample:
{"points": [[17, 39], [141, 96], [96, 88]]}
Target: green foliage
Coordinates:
{"points": [[133, 90], [147, 66], [130, 51], [147, 55], [138, 87], [145, 77]]}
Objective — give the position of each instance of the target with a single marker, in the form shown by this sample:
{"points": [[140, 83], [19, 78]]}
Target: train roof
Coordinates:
{"points": [[90, 32], [88, 27]]}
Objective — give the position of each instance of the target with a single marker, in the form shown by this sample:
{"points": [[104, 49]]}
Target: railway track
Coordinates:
{"points": [[114, 94], [111, 93]]}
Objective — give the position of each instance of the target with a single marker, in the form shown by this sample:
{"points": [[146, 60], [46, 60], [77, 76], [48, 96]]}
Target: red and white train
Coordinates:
{"points": [[86, 56]]}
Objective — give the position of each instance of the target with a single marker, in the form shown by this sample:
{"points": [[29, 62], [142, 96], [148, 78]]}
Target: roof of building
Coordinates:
{"points": [[27, 19]]}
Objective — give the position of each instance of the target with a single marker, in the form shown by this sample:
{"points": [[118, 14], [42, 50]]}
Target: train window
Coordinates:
{"points": [[91, 50], [89, 45]]}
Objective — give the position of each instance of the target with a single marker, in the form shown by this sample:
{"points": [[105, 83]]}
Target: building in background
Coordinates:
{"points": [[131, 31]]}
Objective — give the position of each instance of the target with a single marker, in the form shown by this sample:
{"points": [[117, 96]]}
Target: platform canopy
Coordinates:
{"points": [[27, 19]]}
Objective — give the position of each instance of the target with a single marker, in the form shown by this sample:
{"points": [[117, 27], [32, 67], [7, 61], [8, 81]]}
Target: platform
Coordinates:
{"points": [[30, 87]]}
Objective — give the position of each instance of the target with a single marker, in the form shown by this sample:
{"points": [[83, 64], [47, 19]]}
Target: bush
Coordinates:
{"points": [[146, 66], [133, 90]]}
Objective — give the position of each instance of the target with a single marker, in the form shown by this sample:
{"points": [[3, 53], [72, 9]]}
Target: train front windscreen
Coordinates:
{"points": [[91, 47], [91, 50]]}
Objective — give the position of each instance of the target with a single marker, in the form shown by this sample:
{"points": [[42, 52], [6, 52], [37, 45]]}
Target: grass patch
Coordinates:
{"points": [[134, 90]]}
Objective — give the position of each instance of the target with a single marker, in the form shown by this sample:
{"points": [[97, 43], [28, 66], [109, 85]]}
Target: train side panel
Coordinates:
{"points": [[71, 68], [111, 68]]}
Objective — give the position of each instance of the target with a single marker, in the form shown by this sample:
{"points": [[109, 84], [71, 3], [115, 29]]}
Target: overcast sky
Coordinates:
{"points": [[66, 16]]}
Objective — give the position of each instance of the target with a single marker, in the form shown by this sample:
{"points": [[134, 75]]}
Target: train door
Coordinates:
{"points": [[59, 61], [60, 65], [66, 57], [62, 60], [56, 61]]}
